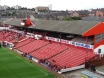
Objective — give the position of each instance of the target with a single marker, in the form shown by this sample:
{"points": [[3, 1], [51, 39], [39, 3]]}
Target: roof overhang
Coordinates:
{"points": [[97, 29]]}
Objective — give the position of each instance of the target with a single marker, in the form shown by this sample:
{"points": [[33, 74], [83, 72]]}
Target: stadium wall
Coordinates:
{"points": [[97, 50], [71, 69]]}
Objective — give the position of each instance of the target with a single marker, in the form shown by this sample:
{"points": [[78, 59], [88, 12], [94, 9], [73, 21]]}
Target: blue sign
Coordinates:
{"points": [[82, 45]]}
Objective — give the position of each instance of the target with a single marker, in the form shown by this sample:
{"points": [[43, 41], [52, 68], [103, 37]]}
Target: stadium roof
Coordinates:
{"points": [[74, 27], [97, 29], [93, 18]]}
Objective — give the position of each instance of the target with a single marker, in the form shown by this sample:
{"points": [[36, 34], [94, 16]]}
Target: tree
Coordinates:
{"points": [[23, 8], [72, 18], [14, 14], [33, 9], [68, 19], [8, 8], [76, 18], [8, 14]]}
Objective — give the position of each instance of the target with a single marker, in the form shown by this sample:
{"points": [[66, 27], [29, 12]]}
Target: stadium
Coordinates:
{"points": [[60, 46]]}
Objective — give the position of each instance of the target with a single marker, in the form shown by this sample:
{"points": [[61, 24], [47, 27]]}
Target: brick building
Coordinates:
{"points": [[41, 9]]}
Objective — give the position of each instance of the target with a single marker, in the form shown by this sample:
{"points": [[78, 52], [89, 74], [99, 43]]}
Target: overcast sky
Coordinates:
{"points": [[56, 4]]}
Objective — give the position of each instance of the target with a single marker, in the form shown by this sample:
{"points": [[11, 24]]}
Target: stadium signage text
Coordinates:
{"points": [[83, 45], [69, 42], [58, 40]]}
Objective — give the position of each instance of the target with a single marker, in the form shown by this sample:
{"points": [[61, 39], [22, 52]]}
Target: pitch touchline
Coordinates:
{"points": [[27, 62]]}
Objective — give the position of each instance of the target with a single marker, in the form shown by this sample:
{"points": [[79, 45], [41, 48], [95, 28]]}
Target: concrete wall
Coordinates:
{"points": [[100, 47]]}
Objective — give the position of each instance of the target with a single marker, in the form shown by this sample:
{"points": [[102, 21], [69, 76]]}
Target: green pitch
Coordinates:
{"points": [[14, 66]]}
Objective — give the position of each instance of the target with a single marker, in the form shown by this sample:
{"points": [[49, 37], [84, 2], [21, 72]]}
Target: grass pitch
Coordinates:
{"points": [[14, 66]]}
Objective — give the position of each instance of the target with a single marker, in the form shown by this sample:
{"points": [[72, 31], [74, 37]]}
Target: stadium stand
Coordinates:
{"points": [[63, 56], [48, 51], [24, 42], [11, 36], [61, 52], [32, 46], [72, 57]]}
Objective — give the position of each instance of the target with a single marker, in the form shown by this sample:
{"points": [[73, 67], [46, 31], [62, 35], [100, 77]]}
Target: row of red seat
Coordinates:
{"points": [[48, 51], [10, 37], [24, 42], [32, 46], [72, 57]]}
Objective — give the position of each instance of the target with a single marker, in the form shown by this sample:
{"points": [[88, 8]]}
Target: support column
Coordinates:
{"points": [[60, 38], [87, 46]]}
